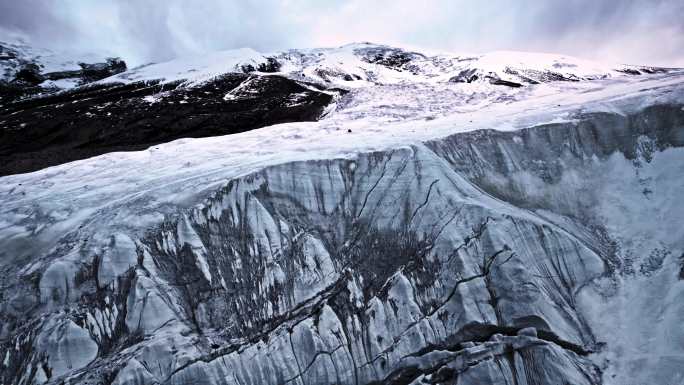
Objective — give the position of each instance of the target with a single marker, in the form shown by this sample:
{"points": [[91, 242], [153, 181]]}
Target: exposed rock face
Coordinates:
{"points": [[93, 72], [518, 256]]}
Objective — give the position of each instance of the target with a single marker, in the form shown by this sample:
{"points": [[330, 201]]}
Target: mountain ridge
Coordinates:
{"points": [[148, 105]]}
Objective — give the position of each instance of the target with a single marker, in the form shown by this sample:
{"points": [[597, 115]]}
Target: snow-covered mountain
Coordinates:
{"points": [[375, 216], [361, 64], [27, 71], [234, 91]]}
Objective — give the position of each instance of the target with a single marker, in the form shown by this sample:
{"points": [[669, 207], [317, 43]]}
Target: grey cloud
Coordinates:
{"points": [[648, 31], [32, 17]]}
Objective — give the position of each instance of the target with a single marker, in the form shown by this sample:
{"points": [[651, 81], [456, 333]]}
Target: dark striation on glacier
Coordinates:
{"points": [[550, 253]]}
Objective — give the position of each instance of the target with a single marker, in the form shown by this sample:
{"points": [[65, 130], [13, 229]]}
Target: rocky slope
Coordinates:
{"points": [[98, 119], [422, 231]]}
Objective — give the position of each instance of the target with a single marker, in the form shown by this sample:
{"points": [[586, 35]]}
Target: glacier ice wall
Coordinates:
{"points": [[548, 255]]}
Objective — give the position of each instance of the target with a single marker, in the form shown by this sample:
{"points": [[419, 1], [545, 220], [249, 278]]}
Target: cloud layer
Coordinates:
{"points": [[626, 31]]}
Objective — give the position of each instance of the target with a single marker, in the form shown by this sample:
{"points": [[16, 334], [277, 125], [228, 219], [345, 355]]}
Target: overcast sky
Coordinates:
{"points": [[624, 31]]}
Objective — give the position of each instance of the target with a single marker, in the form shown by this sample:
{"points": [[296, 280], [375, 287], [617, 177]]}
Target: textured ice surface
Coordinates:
{"points": [[521, 236]]}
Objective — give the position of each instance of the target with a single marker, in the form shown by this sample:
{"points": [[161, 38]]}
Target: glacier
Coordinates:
{"points": [[421, 231]]}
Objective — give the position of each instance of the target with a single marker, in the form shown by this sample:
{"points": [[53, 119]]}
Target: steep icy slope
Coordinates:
{"points": [[530, 239]]}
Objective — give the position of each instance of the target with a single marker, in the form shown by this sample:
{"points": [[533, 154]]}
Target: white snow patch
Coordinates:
{"points": [[193, 69], [64, 84]]}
